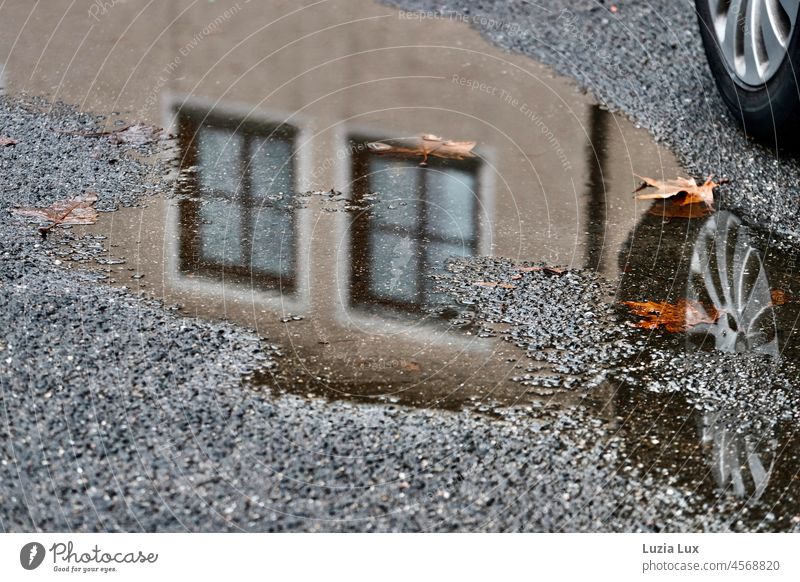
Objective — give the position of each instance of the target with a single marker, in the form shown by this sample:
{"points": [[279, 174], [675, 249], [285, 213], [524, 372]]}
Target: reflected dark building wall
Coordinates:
{"points": [[597, 160]]}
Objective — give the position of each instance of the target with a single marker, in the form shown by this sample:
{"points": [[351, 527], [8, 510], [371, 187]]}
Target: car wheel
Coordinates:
{"points": [[726, 272], [753, 51]]}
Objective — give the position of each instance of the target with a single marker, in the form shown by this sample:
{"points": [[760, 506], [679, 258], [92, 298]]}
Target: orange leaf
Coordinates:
{"points": [[779, 297], [693, 193], [682, 316]]}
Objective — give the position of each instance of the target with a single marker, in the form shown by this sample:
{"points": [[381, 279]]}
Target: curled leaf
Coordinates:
{"points": [[77, 210], [676, 318], [425, 145], [7, 141], [691, 191]]}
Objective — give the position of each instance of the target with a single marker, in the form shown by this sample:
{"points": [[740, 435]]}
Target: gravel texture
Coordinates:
{"points": [[645, 59]]}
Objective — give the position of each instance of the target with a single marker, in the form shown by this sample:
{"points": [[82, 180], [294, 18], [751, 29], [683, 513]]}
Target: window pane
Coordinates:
{"points": [[451, 204], [273, 242], [271, 170], [396, 184], [393, 267], [219, 153], [221, 232]]}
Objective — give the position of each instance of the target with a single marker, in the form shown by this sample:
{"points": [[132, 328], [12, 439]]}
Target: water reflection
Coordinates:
{"points": [[725, 269], [728, 274], [347, 293], [239, 223], [740, 460], [422, 217]]}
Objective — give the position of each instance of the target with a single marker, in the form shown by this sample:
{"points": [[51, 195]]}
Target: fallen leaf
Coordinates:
{"points": [[779, 297], [494, 284], [7, 141], [77, 210], [139, 134], [425, 145], [412, 366], [682, 316], [675, 208], [693, 192], [551, 270]]}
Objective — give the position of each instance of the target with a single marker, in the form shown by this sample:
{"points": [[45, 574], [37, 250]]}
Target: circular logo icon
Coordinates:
{"points": [[31, 555]]}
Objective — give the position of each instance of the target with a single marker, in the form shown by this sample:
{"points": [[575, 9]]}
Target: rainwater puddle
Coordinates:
{"points": [[286, 220]]}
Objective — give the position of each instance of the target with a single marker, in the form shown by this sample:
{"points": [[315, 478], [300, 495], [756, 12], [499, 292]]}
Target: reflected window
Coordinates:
{"points": [[410, 220], [238, 221]]}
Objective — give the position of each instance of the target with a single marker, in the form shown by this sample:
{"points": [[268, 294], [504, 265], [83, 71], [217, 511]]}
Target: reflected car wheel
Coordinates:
{"points": [[753, 49], [726, 272]]}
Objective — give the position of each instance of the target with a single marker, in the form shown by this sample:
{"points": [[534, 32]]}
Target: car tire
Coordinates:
{"points": [[768, 105]]}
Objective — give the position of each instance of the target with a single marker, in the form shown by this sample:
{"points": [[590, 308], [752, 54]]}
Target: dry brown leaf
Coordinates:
{"points": [[551, 270], [138, 134], [693, 193], [7, 141], [494, 284], [77, 210], [779, 297], [425, 145], [412, 366], [682, 316]]}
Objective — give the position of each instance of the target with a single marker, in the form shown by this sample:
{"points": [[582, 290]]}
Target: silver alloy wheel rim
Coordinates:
{"points": [[753, 35], [726, 272]]}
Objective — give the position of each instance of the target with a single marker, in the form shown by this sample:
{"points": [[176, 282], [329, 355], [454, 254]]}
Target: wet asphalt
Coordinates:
{"points": [[118, 414]]}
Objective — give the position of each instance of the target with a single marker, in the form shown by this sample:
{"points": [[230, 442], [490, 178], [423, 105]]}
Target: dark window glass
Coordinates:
{"points": [[417, 217], [238, 221]]}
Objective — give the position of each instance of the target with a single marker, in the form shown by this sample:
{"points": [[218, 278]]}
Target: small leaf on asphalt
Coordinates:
{"points": [[138, 134], [425, 145], [7, 141], [77, 210], [779, 297], [682, 316], [494, 284], [545, 269], [692, 192], [412, 366]]}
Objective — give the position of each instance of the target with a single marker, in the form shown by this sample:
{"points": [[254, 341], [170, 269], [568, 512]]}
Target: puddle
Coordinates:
{"points": [[287, 221]]}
